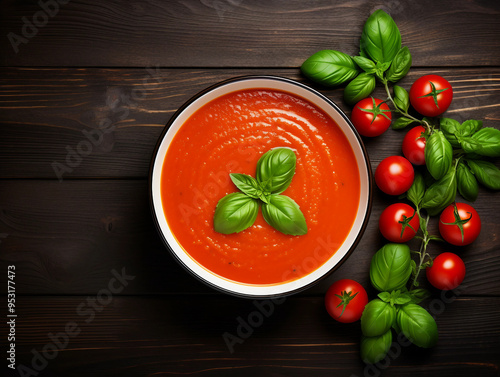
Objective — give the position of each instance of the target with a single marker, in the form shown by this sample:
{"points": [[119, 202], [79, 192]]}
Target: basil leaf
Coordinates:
{"points": [[359, 88], [384, 296], [401, 122], [373, 349], [467, 183], [486, 173], [283, 214], [400, 65], [438, 155], [450, 128], [401, 98], [377, 318], [381, 39], [402, 299], [329, 68], [418, 295], [440, 194], [417, 325], [380, 68], [390, 267], [470, 127], [485, 142], [275, 170], [235, 212], [365, 64], [416, 192], [246, 184]]}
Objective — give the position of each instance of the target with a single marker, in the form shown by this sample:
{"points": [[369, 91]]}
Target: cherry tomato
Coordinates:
{"points": [[414, 145], [394, 175], [371, 117], [345, 300], [459, 225], [399, 222], [447, 271], [431, 95]]}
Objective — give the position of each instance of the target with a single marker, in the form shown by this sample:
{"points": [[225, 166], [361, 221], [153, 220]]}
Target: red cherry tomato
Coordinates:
{"points": [[431, 95], [399, 222], [414, 145], [447, 271], [371, 117], [461, 225], [345, 300], [394, 175]]}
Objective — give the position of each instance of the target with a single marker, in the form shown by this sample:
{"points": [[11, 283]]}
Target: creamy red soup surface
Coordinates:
{"points": [[229, 135]]}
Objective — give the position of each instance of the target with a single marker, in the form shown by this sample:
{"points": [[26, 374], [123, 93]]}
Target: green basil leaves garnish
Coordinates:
{"points": [[485, 142], [400, 65], [365, 64], [441, 193], [283, 214], [374, 349], [466, 182], [361, 87], [329, 68], [381, 39], [377, 318], [402, 99], [247, 184], [486, 173], [417, 325], [237, 211], [438, 155], [381, 57], [390, 267], [275, 170], [416, 192]]}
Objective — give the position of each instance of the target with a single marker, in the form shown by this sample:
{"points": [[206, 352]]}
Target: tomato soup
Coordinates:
{"points": [[229, 135]]}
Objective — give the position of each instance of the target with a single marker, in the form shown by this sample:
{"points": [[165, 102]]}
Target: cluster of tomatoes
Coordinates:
{"points": [[459, 223]]}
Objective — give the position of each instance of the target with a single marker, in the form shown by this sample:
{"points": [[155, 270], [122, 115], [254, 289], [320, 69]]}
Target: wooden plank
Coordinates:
{"points": [[47, 113], [66, 238], [237, 33], [131, 336]]}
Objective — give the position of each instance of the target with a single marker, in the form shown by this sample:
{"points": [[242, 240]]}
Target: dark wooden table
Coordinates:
{"points": [[97, 294]]}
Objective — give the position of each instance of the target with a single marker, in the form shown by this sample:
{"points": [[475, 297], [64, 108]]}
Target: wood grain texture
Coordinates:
{"points": [[239, 33], [133, 336], [46, 114], [66, 238]]}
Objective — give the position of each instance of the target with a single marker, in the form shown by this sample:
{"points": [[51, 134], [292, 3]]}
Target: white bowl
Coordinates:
{"points": [[298, 89]]}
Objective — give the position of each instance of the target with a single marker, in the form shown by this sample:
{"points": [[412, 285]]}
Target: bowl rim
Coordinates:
{"points": [[330, 103]]}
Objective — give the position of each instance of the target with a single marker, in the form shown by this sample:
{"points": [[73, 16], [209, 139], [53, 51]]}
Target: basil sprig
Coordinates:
{"points": [[381, 57], [381, 39], [396, 307], [454, 156], [236, 212]]}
